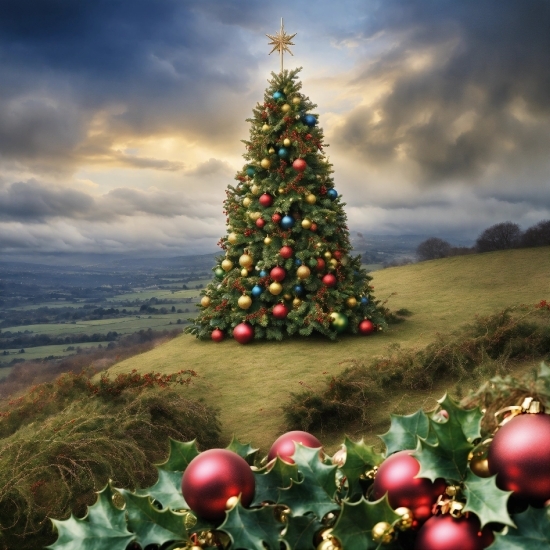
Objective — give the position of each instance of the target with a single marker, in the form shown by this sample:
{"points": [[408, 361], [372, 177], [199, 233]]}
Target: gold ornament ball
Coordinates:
{"points": [[245, 260], [281, 191], [296, 100], [306, 223], [247, 201], [480, 466], [319, 245], [265, 163], [333, 262], [244, 272], [205, 301], [407, 518], [231, 502], [285, 108], [326, 544], [287, 297], [327, 255], [287, 142], [255, 189], [275, 288], [382, 533], [271, 150], [232, 238], [311, 198], [303, 272], [266, 127], [296, 302], [244, 301], [255, 215], [227, 265], [344, 260], [267, 240], [351, 302]]}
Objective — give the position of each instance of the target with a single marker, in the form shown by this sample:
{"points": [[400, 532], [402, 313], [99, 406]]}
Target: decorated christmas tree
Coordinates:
{"points": [[287, 267]]}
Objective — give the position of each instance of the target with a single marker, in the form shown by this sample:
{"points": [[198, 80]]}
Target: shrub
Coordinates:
{"points": [[500, 236], [432, 249]]}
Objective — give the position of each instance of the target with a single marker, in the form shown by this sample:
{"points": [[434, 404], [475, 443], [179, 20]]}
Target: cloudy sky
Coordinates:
{"points": [[121, 120]]}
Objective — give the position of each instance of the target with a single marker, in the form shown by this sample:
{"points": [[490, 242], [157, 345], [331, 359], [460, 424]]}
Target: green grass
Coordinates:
{"points": [[251, 383]]}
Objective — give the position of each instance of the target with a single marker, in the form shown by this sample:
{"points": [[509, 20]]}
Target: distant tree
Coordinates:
{"points": [[500, 236], [432, 249], [537, 235], [173, 309]]}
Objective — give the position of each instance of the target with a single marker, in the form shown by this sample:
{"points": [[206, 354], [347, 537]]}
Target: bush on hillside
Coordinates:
{"points": [[433, 249]]}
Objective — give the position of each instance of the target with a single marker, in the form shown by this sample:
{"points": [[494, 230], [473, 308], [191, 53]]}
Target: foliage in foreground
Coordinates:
{"points": [[61, 442]]}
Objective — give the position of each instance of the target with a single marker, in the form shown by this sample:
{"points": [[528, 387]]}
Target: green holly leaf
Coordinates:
{"points": [[300, 532], [103, 528], [270, 479], [486, 500], [313, 469], [151, 525], [354, 525], [359, 459], [167, 490], [181, 454], [245, 451], [435, 463], [404, 430], [532, 532], [468, 419], [251, 529]]}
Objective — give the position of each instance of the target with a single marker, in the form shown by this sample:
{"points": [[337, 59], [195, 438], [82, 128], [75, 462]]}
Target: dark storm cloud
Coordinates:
{"points": [[483, 95]]}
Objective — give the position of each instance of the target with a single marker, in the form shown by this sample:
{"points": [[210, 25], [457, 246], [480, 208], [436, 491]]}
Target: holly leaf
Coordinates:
{"points": [[486, 500], [404, 430], [269, 482], [313, 469], [532, 532], [359, 459], [181, 454], [300, 532], [354, 525], [251, 529], [103, 528], [244, 451], [167, 490], [435, 463], [151, 525], [468, 419], [543, 380]]}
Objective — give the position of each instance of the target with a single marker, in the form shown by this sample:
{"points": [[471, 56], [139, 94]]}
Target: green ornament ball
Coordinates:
{"points": [[339, 322], [219, 273]]}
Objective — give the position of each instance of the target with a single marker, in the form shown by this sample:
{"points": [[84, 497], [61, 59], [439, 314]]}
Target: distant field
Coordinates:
{"points": [[143, 295], [250, 383]]}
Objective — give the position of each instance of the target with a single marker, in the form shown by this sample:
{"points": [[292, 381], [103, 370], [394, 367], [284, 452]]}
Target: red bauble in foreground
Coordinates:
{"points": [[299, 165], [286, 252], [266, 200], [243, 333], [277, 274], [217, 335], [280, 311], [396, 476], [366, 327], [448, 533], [520, 456], [260, 222], [284, 446], [329, 280], [214, 476], [276, 218]]}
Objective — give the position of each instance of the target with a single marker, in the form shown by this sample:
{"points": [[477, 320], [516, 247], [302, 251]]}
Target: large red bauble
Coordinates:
{"points": [[337, 254], [520, 456], [260, 222], [329, 280], [212, 478], [217, 335], [243, 333], [320, 264], [366, 327], [299, 165], [396, 476], [286, 252], [448, 533], [276, 218], [277, 274], [266, 200], [280, 311], [284, 446]]}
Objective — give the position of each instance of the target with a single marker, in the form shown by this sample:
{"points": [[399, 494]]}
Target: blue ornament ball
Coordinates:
{"points": [[332, 194], [278, 95], [283, 153], [256, 291], [263, 273], [364, 301], [299, 290], [250, 171], [287, 222], [310, 120], [298, 262]]}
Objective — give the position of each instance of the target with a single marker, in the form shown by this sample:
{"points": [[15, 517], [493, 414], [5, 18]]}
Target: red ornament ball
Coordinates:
{"points": [[277, 274], [276, 218], [284, 445], [320, 264], [217, 335], [337, 254], [299, 165], [286, 252], [448, 533], [329, 280], [313, 226], [243, 333], [520, 456], [396, 476], [260, 222], [366, 327], [280, 311], [265, 200], [214, 476]]}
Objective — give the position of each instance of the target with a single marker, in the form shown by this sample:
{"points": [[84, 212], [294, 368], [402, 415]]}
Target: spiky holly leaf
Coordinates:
{"points": [[151, 525], [181, 454], [300, 532], [532, 532], [354, 525], [313, 469], [103, 528], [244, 451], [272, 478], [359, 459], [167, 490], [251, 529], [486, 500], [469, 419], [404, 430]]}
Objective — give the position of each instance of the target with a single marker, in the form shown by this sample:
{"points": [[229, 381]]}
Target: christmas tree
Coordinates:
{"points": [[288, 267]]}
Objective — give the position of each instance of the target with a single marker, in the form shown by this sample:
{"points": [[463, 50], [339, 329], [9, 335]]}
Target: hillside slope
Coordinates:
{"points": [[250, 383]]}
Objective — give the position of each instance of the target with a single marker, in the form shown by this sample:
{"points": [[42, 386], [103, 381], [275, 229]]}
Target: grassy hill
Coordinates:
{"points": [[251, 383]]}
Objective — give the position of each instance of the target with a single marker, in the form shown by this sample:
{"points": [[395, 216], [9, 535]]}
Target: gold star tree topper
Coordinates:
{"points": [[281, 41]]}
